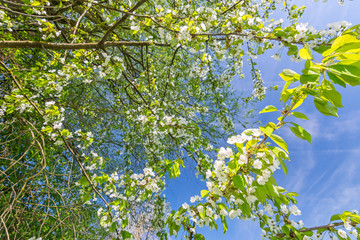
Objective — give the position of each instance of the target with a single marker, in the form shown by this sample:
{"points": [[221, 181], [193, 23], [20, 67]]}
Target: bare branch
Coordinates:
{"points": [[102, 41]]}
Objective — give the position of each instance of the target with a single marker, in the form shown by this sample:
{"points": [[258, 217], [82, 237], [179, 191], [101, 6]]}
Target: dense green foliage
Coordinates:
{"points": [[102, 102]]}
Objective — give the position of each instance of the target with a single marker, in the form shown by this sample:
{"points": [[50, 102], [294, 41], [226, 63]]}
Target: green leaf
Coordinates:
{"points": [[233, 164], [305, 78], [202, 213], [272, 125], [287, 84], [347, 73], [325, 107], [204, 193], [355, 218], [123, 205], [125, 223], [321, 49], [300, 115], [35, 3], [268, 130], [285, 230], [353, 47], [308, 49], [102, 179], [86, 197], [270, 188], [300, 132], [224, 223], [286, 94], [197, 132], [83, 181], [260, 193], [245, 208], [113, 227], [198, 236], [281, 156], [333, 96], [289, 75], [115, 202], [291, 196], [299, 102], [310, 92], [336, 79], [293, 49], [174, 167], [297, 233], [305, 54], [239, 182], [269, 108], [340, 41], [349, 56], [310, 73], [126, 234], [175, 171], [252, 142], [279, 141], [335, 217]]}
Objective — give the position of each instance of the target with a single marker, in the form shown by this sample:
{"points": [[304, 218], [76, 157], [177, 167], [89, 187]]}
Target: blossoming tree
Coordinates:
{"points": [[102, 102]]}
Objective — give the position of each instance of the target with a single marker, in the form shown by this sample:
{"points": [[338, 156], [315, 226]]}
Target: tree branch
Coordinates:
{"points": [[327, 227], [102, 41], [331, 225], [64, 46]]}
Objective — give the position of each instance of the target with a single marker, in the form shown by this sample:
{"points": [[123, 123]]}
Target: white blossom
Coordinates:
{"points": [[276, 57], [301, 27], [243, 159], [209, 212], [342, 233], [233, 214], [284, 209], [301, 223], [294, 224], [280, 21], [49, 104], [134, 27], [238, 139], [296, 59], [223, 212], [266, 174], [257, 164], [294, 210], [347, 225], [354, 232], [225, 153], [268, 208], [185, 206], [251, 199], [184, 33], [99, 211], [143, 119], [149, 172], [261, 180], [255, 132]]}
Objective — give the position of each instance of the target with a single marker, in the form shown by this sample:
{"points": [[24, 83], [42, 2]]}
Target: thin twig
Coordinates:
{"points": [[102, 41]]}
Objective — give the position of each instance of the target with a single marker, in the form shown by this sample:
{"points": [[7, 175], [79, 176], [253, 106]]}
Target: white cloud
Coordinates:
{"points": [[333, 190]]}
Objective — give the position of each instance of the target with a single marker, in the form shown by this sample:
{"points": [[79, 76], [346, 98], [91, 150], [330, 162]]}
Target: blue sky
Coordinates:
{"points": [[325, 173]]}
